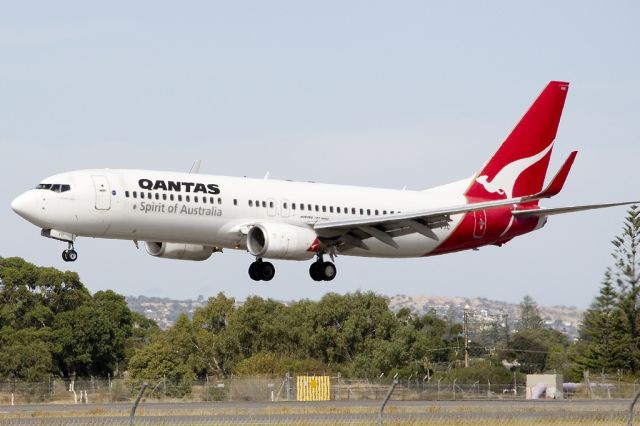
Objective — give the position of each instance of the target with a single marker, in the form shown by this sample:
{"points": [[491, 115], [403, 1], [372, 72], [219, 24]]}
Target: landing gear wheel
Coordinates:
{"points": [[267, 271], [314, 271], [65, 255], [254, 269], [262, 271], [328, 271], [322, 271], [72, 255]]}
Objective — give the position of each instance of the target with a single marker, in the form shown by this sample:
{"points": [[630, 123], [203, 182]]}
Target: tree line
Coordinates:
{"points": [[50, 324]]}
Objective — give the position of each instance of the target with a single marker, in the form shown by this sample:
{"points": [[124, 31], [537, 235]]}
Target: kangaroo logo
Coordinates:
{"points": [[504, 181]]}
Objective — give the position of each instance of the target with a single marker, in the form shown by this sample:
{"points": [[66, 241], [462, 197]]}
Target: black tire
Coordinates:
{"points": [[267, 271], [72, 255], [64, 255], [328, 270], [253, 271], [314, 271]]}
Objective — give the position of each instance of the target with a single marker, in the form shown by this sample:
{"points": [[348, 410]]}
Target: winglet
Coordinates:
{"points": [[195, 169], [556, 184]]}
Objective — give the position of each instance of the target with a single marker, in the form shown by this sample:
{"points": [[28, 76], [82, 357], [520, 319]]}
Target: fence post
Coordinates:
{"points": [[135, 404], [386, 399], [633, 403]]}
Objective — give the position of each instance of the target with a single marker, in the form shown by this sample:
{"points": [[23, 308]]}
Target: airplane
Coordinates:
{"points": [[190, 216]]}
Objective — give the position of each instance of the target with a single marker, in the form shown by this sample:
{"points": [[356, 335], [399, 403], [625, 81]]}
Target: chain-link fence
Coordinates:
{"points": [[274, 400], [278, 388]]}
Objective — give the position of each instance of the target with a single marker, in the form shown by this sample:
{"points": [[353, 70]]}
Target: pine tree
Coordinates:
{"points": [[627, 279], [604, 331], [530, 318]]}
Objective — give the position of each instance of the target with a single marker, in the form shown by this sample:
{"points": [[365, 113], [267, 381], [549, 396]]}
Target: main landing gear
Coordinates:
{"points": [[262, 271], [70, 255], [322, 271]]}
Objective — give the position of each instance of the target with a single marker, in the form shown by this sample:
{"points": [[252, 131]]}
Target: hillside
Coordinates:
{"points": [[483, 312]]}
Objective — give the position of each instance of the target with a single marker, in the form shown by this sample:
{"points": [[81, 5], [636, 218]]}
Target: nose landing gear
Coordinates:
{"points": [[70, 255], [262, 271], [322, 271]]}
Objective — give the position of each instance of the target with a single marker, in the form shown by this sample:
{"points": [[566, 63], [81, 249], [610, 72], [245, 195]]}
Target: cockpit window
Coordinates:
{"points": [[55, 187]]}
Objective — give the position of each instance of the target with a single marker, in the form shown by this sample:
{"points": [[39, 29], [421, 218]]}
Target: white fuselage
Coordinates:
{"points": [[215, 210]]}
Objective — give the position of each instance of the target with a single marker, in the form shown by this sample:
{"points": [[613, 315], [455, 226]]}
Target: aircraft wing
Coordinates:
{"points": [[571, 209], [385, 228]]}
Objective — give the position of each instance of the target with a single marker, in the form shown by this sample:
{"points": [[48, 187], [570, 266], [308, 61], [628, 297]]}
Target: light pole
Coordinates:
{"points": [[465, 331]]}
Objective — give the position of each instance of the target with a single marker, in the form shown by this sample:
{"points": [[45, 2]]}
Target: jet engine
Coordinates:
{"points": [[179, 251], [282, 241]]}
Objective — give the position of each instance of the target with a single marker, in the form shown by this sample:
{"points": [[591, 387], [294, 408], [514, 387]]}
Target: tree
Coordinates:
{"points": [[611, 331], [530, 318], [604, 332], [627, 278]]}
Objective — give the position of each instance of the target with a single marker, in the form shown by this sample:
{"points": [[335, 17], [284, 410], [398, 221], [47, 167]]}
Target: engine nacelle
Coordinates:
{"points": [[282, 241], [179, 251]]}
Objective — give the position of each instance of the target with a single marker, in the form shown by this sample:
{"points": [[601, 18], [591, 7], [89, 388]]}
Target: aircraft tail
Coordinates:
{"points": [[519, 166]]}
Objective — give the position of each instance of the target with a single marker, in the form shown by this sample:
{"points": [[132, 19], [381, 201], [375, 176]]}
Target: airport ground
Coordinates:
{"points": [[486, 412]]}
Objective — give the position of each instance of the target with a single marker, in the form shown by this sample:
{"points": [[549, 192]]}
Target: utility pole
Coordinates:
{"points": [[465, 331]]}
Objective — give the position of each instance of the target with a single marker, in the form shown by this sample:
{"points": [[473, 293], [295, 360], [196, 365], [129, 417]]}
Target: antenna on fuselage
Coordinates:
{"points": [[195, 169], [266, 176]]}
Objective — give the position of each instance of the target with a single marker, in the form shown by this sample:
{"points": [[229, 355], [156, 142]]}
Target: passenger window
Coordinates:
{"points": [[126, 194], [301, 206], [368, 212], [204, 200], [164, 197], [271, 204], [157, 196], [250, 203], [135, 194], [376, 212], [324, 209], [264, 204], [317, 208], [220, 201], [235, 201], [257, 203], [284, 205], [195, 199], [211, 200], [188, 198], [384, 212], [142, 195], [179, 197], [330, 209], [171, 197], [353, 210], [293, 206], [338, 209], [361, 211]]}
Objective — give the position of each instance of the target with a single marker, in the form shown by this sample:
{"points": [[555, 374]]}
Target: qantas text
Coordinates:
{"points": [[169, 185]]}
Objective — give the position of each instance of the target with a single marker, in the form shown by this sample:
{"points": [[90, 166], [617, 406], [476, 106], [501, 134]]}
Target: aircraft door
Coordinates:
{"points": [[103, 192], [480, 227]]}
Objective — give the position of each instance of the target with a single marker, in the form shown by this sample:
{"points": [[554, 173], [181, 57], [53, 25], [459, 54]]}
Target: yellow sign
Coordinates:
{"points": [[313, 388]]}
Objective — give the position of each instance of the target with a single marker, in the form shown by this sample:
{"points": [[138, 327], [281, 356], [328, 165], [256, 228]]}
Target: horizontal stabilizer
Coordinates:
{"points": [[556, 184], [562, 210]]}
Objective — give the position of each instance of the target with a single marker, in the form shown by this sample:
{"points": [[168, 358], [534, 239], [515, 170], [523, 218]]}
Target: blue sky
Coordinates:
{"points": [[367, 93]]}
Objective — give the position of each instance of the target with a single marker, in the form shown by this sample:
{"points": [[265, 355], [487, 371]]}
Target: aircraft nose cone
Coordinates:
{"points": [[19, 204]]}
